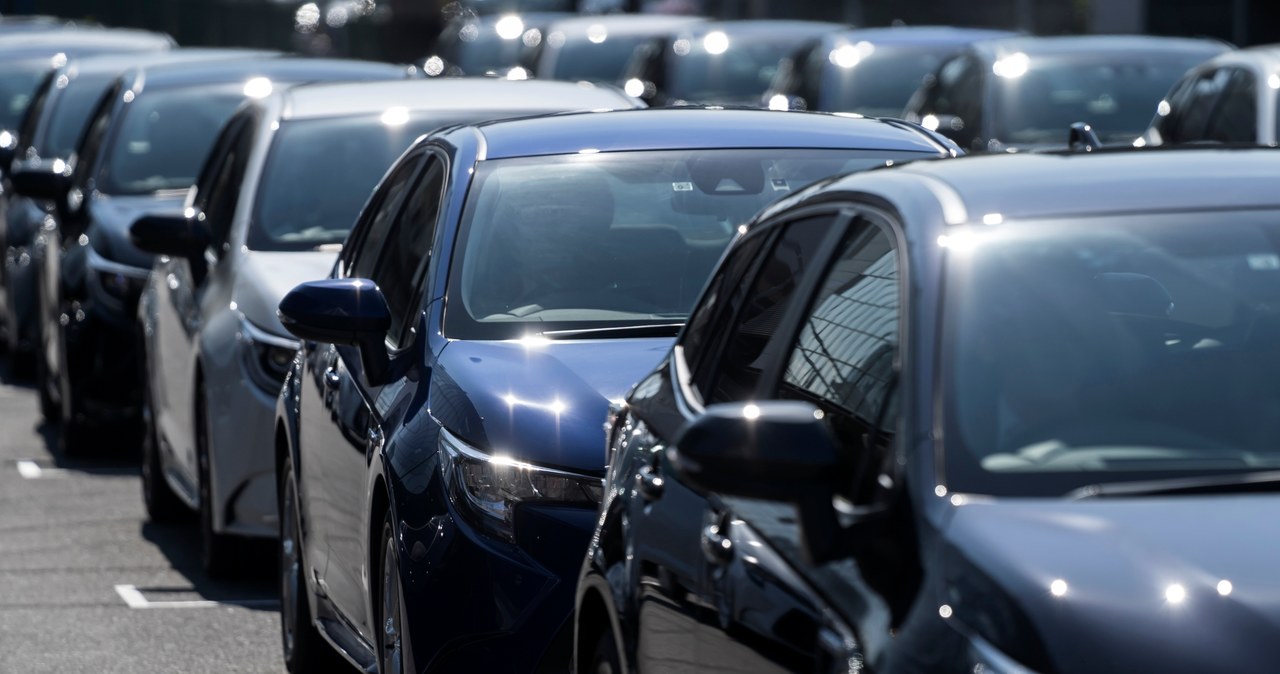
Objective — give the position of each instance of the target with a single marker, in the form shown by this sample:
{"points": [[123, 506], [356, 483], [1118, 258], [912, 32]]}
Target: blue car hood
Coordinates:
{"points": [[111, 218], [1120, 560], [542, 403]]}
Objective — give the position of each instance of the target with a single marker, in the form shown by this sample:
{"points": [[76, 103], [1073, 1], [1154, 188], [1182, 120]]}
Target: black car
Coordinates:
{"points": [[50, 128], [140, 152], [920, 421], [439, 440], [1025, 92], [490, 44], [716, 63]]}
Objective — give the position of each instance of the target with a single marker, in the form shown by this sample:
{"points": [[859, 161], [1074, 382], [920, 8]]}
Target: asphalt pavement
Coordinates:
{"points": [[87, 584]]}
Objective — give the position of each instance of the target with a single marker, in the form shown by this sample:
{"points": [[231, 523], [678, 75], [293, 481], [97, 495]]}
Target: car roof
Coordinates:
{"points": [[528, 18], [1266, 57], [460, 94], [1088, 45], [692, 128], [1064, 185], [79, 41], [623, 24], [920, 35], [765, 28], [104, 64], [286, 69]]}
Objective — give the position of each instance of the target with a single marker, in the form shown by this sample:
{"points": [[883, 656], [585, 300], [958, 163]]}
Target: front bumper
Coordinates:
{"points": [[241, 454]]}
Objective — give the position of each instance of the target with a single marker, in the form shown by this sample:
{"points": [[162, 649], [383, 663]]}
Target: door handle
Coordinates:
{"points": [[649, 481], [717, 547], [331, 378]]}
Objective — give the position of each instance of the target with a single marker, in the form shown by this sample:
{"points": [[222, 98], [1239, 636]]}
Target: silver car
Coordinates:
{"points": [[271, 208], [1232, 98]]}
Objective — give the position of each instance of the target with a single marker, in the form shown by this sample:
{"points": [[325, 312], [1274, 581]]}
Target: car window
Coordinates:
{"points": [[735, 373], [361, 256], [1236, 118], [27, 129], [1195, 106], [408, 249], [958, 92], [843, 358], [219, 202], [90, 145]]}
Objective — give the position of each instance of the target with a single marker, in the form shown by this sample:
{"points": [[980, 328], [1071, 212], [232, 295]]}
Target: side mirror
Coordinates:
{"points": [[8, 150], [349, 312], [1082, 138], [43, 181], [169, 234]]}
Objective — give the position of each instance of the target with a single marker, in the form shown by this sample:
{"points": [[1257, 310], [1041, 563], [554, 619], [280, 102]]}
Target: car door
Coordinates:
{"points": [[182, 285], [676, 531]]}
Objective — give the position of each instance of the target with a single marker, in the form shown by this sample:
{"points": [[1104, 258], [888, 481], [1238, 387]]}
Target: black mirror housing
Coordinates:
{"points": [[169, 234], [349, 311], [43, 181]]}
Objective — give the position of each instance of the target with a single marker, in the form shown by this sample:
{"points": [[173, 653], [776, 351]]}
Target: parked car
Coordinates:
{"points": [[50, 127], [869, 71], [140, 152], [269, 212], [995, 429], [490, 44], [598, 48], [440, 450], [1024, 93], [716, 63], [1228, 99]]}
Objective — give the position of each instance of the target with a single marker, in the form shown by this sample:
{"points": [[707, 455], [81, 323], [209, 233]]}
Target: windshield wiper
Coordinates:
{"points": [[621, 331], [1239, 483]]}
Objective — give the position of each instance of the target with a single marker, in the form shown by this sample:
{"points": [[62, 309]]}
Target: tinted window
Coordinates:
{"points": [[1192, 105], [739, 73], [71, 109], [722, 294], [1236, 119], [320, 173], [18, 82], [958, 92], [361, 258], [408, 249], [876, 81], [164, 137], [581, 59], [218, 200], [735, 374]]}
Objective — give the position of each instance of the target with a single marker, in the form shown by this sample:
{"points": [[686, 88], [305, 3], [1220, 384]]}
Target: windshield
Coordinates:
{"points": [[18, 83], [728, 70], [164, 137], [477, 48], [879, 83], [70, 113], [319, 174], [582, 58], [1040, 99], [1112, 349], [595, 241]]}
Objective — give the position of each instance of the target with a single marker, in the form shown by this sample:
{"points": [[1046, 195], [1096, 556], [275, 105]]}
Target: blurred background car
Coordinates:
{"points": [[977, 399], [276, 197], [1231, 98], [140, 152], [1023, 93], [492, 44], [454, 459], [868, 71], [50, 128], [598, 48], [716, 63]]}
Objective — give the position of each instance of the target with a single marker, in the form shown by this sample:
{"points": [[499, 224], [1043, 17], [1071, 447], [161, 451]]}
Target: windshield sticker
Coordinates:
{"points": [[682, 187], [780, 185], [1264, 262]]}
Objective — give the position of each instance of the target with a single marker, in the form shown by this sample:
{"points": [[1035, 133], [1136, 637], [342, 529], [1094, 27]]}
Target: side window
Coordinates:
{"points": [[399, 274], [1199, 103], [35, 110], [1236, 118], [957, 91], [735, 373], [95, 133], [844, 354], [704, 322], [809, 86], [365, 243], [219, 188]]}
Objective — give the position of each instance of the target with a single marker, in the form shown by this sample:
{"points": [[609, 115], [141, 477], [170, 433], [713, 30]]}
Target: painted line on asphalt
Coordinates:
{"points": [[31, 470], [134, 598]]}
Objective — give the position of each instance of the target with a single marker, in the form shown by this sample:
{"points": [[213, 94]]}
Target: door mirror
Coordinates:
{"points": [[44, 181], [8, 150], [169, 234], [775, 450], [342, 311]]}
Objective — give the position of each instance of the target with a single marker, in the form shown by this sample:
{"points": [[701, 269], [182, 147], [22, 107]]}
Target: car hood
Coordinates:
{"points": [[264, 278], [543, 403], [1123, 563], [110, 218]]}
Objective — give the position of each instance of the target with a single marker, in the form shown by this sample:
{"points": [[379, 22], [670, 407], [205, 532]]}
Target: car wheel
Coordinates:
{"points": [[162, 504], [220, 553], [49, 408], [304, 649], [604, 658], [389, 623]]}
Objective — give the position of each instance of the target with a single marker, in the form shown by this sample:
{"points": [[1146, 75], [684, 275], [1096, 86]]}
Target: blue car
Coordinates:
{"points": [[440, 448]]}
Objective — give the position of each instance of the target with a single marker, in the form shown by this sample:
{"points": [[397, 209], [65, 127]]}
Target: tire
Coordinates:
{"points": [[49, 408], [162, 504], [604, 657], [220, 554], [305, 651], [389, 623]]}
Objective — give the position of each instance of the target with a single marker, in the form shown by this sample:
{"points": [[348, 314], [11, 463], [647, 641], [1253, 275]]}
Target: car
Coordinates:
{"points": [[995, 429], [716, 63], [268, 212], [867, 71], [139, 153], [1228, 99], [50, 127], [440, 450], [1024, 93], [489, 44], [598, 48]]}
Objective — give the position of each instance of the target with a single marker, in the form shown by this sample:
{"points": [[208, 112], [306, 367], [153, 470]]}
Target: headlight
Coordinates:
{"points": [[266, 357], [490, 486]]}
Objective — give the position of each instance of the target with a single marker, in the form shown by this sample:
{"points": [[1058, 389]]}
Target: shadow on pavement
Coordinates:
{"points": [[254, 586], [22, 376]]}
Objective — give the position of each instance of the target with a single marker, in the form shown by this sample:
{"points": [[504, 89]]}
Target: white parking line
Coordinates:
{"points": [[29, 469], [135, 599]]}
